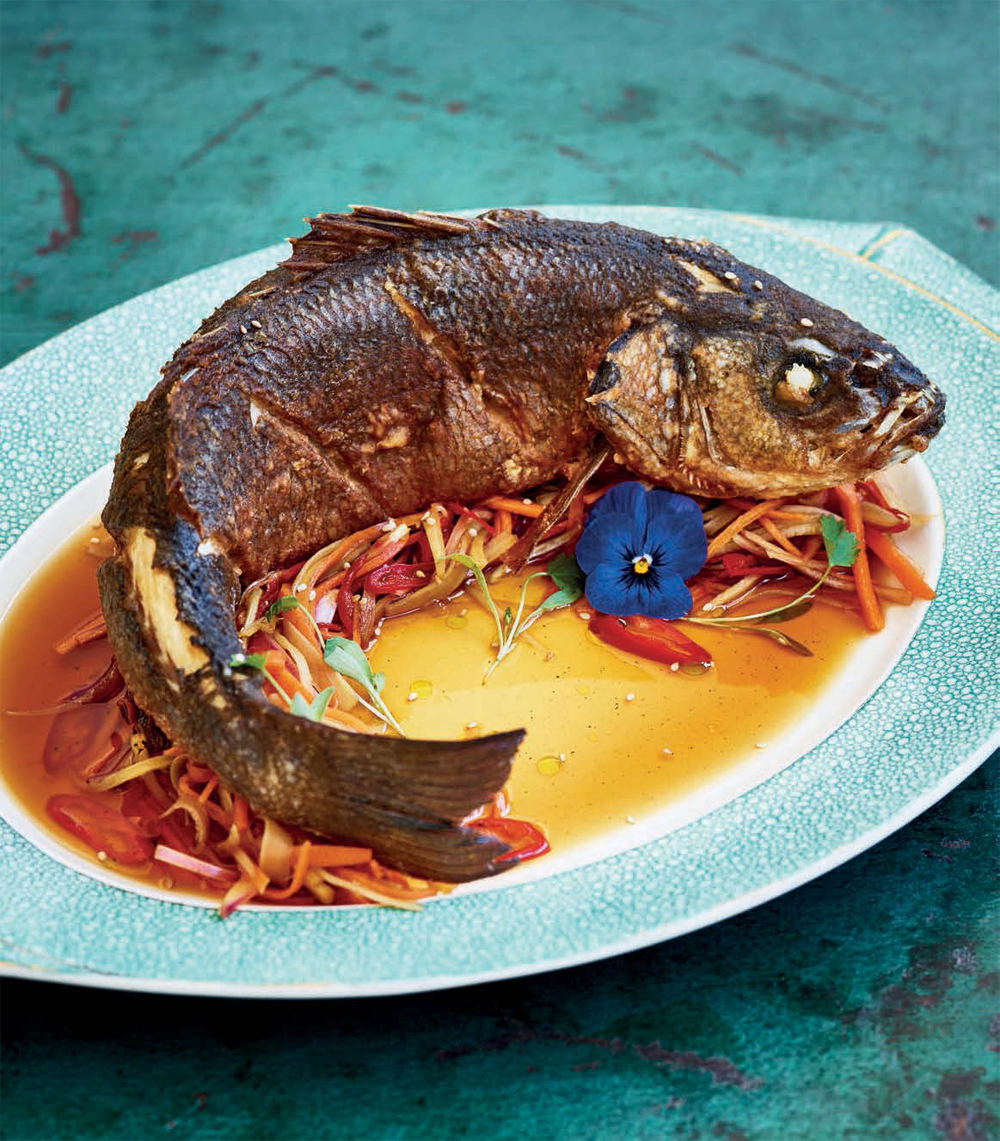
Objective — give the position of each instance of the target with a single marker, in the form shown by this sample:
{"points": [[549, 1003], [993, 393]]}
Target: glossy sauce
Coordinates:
{"points": [[599, 722]]}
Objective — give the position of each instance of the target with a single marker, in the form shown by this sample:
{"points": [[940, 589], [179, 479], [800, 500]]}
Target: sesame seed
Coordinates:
{"points": [[312, 595], [389, 526], [669, 752], [300, 586], [95, 539], [419, 574], [806, 323], [675, 666], [758, 285], [630, 697], [347, 564], [761, 745], [730, 276], [102, 855], [239, 657], [473, 532], [528, 501], [562, 756], [411, 696], [243, 329], [585, 615], [472, 725], [256, 324], [629, 819]]}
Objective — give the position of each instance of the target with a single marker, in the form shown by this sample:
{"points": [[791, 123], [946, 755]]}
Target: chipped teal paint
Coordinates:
{"points": [[930, 717]]}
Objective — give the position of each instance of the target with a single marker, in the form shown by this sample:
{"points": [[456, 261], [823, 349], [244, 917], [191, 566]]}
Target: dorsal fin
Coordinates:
{"points": [[337, 237]]}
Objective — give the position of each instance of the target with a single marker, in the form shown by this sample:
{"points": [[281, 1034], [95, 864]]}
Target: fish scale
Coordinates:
{"points": [[394, 360]]}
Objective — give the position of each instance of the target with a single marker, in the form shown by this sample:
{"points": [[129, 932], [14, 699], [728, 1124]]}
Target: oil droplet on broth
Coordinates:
{"points": [[569, 693]]}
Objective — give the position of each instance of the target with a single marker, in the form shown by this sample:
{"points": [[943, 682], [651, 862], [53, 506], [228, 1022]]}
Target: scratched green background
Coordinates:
{"points": [[144, 140]]}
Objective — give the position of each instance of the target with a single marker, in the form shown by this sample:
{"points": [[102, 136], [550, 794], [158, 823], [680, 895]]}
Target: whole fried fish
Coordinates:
{"points": [[398, 359]]}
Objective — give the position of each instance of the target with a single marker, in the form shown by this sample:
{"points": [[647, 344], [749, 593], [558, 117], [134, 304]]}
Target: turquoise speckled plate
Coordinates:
{"points": [[924, 728]]}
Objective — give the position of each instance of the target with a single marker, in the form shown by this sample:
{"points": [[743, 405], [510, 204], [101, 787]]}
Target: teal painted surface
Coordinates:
{"points": [[857, 1007], [861, 1006], [189, 133]]}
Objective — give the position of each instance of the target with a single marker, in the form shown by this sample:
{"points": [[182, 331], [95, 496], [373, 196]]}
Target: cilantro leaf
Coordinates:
{"points": [[248, 662], [840, 544]]}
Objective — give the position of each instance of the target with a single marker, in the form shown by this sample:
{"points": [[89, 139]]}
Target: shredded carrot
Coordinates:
{"points": [[298, 876], [502, 522], [209, 788], [390, 885], [811, 547], [591, 497], [337, 856], [893, 558], [740, 523], [241, 813], [514, 506], [871, 609], [779, 536]]}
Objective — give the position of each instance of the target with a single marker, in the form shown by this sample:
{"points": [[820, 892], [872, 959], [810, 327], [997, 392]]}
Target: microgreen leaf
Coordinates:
{"points": [[280, 605], [563, 571], [257, 662], [487, 597], [315, 709], [348, 659], [840, 544], [290, 602]]}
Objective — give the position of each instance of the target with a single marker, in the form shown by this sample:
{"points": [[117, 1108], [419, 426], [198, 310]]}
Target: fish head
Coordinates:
{"points": [[757, 390]]}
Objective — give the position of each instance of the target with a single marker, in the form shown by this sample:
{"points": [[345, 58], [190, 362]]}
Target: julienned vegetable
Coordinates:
{"points": [[305, 630], [106, 831]]}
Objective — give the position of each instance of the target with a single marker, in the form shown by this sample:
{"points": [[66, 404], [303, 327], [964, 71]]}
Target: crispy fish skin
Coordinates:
{"points": [[398, 359]]}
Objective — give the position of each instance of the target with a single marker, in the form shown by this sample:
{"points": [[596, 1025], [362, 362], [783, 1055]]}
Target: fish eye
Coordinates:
{"points": [[798, 385]]}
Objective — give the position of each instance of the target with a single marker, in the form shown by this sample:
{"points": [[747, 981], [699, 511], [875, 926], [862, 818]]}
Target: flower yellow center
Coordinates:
{"points": [[642, 563]]}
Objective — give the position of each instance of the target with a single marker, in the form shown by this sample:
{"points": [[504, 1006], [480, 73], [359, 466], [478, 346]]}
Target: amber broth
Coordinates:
{"points": [[600, 722]]}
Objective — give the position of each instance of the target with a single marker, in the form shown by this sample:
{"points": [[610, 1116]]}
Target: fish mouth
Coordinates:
{"points": [[915, 422]]}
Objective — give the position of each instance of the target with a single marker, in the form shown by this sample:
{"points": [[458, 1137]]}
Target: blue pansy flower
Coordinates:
{"points": [[637, 549]]}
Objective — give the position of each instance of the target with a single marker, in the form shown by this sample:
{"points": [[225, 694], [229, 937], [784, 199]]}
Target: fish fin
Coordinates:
{"points": [[338, 237]]}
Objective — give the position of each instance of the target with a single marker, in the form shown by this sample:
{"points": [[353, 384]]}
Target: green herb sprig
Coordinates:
{"points": [[256, 663], [564, 572], [841, 547], [348, 658], [290, 602], [314, 709]]}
